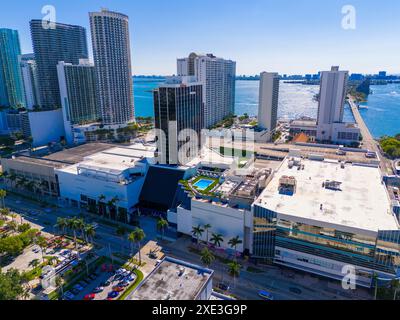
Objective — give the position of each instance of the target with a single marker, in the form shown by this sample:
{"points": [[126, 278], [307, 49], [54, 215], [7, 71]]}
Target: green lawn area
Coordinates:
{"points": [[242, 154], [139, 278]]}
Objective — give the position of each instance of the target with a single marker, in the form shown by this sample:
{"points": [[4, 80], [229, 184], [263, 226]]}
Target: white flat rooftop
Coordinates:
{"points": [[362, 203], [114, 160]]}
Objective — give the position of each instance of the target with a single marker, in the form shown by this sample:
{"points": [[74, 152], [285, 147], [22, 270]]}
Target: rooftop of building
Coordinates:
{"points": [[68, 156], [360, 200], [114, 160], [173, 279]]}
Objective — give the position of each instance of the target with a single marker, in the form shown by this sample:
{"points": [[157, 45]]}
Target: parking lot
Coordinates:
{"points": [[102, 284]]}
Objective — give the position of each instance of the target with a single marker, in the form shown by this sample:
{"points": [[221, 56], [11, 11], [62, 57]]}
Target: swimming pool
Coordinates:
{"points": [[203, 184]]}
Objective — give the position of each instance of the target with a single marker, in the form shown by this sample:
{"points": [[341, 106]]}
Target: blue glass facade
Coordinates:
{"points": [[11, 87], [380, 253]]}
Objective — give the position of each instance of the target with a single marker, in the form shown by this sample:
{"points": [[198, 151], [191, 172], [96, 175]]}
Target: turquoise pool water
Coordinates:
{"points": [[203, 184]]}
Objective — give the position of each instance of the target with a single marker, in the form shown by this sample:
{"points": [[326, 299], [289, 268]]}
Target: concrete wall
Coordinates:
{"points": [[73, 185], [46, 126], [227, 221]]}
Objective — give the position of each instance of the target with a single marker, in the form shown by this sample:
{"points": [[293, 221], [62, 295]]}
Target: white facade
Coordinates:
{"points": [[332, 97], [112, 60], [224, 220], [117, 172], [218, 78], [46, 127], [29, 80], [268, 100]]}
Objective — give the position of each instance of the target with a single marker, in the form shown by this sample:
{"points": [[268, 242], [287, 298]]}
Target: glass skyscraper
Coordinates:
{"points": [[63, 43], [178, 106], [11, 87]]}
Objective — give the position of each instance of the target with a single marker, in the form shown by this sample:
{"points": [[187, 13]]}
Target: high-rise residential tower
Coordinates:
{"points": [[78, 95], [30, 80], [268, 100], [11, 87], [218, 78], [112, 60], [178, 105], [332, 97], [66, 43]]}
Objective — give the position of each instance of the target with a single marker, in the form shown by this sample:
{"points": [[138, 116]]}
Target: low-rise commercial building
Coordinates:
{"points": [[320, 216], [109, 182], [175, 279]]}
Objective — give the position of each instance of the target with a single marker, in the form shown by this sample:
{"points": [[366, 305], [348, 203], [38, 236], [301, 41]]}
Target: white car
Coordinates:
{"points": [[120, 271]]}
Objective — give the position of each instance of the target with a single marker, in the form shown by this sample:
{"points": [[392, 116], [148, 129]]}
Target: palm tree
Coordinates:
{"points": [[3, 194], [80, 225], [207, 257], [115, 201], [137, 236], [4, 212], [121, 232], [90, 232], [73, 225], [59, 283], [206, 228], [42, 243], [234, 270], [197, 233], [234, 242], [101, 202], [62, 224], [162, 224], [216, 239]]}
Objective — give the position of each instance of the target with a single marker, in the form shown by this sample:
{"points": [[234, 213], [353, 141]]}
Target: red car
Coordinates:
{"points": [[118, 288], [90, 296]]}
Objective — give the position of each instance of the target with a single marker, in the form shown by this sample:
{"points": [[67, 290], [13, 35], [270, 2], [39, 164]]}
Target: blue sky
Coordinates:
{"points": [[287, 36]]}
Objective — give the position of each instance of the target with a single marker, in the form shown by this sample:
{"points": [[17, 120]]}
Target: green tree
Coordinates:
{"points": [[137, 237], [73, 225], [197, 232], [162, 224], [3, 194], [11, 285], [216, 239], [234, 242], [42, 243], [121, 232], [90, 232], [207, 257], [234, 270], [62, 225]]}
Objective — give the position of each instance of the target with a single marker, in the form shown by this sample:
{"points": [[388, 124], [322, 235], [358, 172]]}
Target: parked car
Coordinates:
{"points": [[131, 277], [123, 283], [89, 296], [113, 294], [105, 283], [79, 287], [118, 288], [223, 286], [98, 289], [68, 295], [265, 295], [75, 291]]}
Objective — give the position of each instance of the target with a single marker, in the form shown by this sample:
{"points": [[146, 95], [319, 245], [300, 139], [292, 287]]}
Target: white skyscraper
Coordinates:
{"points": [[332, 97], [217, 76], [30, 80], [112, 60], [268, 100]]}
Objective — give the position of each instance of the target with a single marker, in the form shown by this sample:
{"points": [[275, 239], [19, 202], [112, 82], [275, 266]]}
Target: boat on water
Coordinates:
{"points": [[361, 106]]}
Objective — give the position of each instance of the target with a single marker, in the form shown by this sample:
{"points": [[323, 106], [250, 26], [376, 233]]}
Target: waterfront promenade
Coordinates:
{"points": [[368, 140]]}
